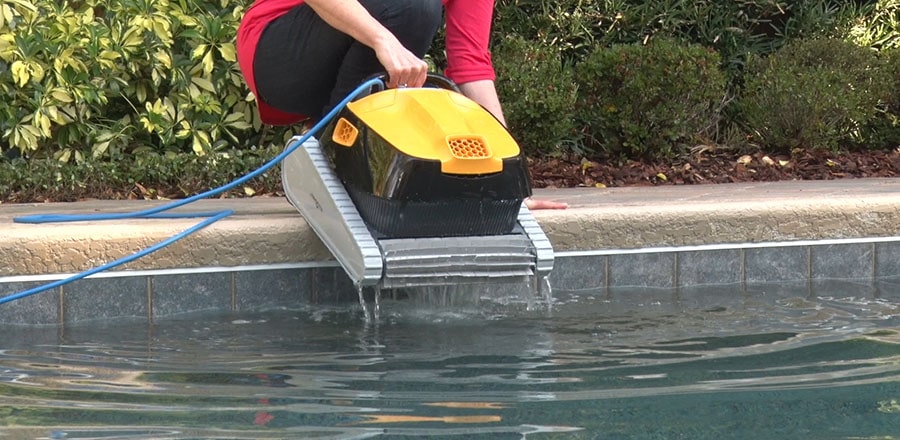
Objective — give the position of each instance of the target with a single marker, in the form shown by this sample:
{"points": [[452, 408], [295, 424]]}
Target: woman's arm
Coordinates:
{"points": [[468, 37], [485, 93], [351, 18], [468, 55]]}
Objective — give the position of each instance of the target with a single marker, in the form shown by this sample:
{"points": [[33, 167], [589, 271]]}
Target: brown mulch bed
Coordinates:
{"points": [[711, 166], [715, 167]]}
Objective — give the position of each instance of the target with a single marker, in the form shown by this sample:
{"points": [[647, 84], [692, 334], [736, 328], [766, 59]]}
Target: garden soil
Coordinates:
{"points": [[711, 166]]}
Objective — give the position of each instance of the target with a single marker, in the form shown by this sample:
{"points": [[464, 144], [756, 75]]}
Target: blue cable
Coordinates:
{"points": [[156, 212], [218, 216]]}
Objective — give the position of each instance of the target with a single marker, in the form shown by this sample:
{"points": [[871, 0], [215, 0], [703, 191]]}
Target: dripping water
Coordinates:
{"points": [[373, 311], [547, 290], [376, 310], [360, 290]]}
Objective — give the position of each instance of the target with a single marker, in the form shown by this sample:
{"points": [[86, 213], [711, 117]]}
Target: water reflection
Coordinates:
{"points": [[635, 364]]}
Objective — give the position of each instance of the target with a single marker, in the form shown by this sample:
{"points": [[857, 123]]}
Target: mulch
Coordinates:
{"points": [[705, 167], [714, 167]]}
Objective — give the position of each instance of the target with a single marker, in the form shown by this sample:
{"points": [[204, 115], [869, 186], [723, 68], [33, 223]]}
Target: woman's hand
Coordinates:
{"points": [[404, 68], [544, 204]]}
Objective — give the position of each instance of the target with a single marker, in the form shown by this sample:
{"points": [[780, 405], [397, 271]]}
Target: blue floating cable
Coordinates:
{"points": [[157, 212]]}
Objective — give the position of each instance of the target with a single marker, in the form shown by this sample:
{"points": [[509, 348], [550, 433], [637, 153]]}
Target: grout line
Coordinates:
{"points": [[233, 291], [606, 274], [314, 286], [809, 271], [150, 299], [875, 290], [875, 248], [62, 305], [676, 268], [744, 270]]}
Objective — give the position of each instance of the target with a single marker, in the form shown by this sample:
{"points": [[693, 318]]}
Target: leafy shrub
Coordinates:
{"points": [[891, 64], [811, 93], [101, 79], [875, 23], [538, 95], [571, 27], [651, 101], [734, 29], [84, 79], [148, 175], [883, 131]]}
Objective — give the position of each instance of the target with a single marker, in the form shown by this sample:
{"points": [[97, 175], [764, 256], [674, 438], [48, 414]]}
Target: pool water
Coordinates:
{"points": [[716, 363]]}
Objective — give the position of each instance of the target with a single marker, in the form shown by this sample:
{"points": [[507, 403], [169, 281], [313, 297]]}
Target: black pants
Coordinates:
{"points": [[303, 65]]}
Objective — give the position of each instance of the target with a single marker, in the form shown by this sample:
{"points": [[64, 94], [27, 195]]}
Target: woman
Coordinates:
{"points": [[301, 57]]}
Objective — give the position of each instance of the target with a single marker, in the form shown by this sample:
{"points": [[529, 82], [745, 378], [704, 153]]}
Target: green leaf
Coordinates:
{"points": [[203, 83], [228, 52]]}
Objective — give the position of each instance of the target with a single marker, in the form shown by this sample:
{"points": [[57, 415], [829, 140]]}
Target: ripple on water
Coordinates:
{"points": [[635, 364]]}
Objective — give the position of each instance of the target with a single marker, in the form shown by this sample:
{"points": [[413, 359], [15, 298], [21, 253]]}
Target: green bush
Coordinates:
{"points": [[883, 131], [86, 80], [653, 101], [811, 94], [891, 63], [571, 27], [149, 175], [874, 23], [101, 79], [538, 95], [734, 29]]}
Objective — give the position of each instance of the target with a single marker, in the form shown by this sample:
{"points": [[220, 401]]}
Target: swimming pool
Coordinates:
{"points": [[705, 363]]}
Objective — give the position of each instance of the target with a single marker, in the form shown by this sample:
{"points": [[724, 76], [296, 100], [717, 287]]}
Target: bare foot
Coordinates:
{"points": [[531, 203]]}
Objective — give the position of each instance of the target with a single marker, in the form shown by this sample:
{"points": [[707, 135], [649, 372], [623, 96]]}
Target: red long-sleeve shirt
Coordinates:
{"points": [[467, 34]]}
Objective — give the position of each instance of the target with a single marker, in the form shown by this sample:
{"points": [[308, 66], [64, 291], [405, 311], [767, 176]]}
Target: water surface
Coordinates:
{"points": [[710, 364]]}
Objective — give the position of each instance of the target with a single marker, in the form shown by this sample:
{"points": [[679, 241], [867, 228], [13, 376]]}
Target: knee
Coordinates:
{"points": [[429, 11], [425, 13], [414, 22], [432, 10]]}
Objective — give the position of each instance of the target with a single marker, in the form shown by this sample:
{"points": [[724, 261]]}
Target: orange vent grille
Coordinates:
{"points": [[344, 133], [468, 147]]}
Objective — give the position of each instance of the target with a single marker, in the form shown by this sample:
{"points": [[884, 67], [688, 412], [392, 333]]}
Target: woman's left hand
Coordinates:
{"points": [[531, 203]]}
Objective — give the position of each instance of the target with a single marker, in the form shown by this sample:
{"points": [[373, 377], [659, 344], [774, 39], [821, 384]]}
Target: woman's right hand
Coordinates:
{"points": [[403, 67]]}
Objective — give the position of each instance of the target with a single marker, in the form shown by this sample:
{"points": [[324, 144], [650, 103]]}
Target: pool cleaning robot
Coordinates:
{"points": [[419, 187]]}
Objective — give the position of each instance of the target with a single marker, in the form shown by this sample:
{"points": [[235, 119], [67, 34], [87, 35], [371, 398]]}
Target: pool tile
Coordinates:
{"points": [[176, 294], [766, 292], [843, 261], [887, 259], [105, 298], [768, 265], [643, 298], [642, 270], [888, 288], [710, 298], [39, 309], [579, 272], [523, 291], [261, 289], [698, 268], [843, 288], [331, 285]]}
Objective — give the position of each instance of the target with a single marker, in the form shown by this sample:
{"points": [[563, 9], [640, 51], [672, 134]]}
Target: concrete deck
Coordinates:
{"points": [[270, 231]]}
